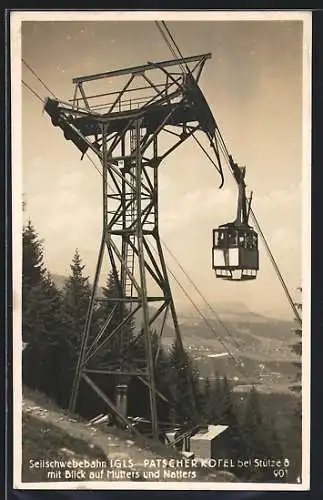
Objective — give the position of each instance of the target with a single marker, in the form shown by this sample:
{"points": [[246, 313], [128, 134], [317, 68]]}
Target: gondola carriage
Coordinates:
{"points": [[235, 254]]}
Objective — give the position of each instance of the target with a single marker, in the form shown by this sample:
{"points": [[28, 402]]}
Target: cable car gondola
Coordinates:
{"points": [[235, 244]]}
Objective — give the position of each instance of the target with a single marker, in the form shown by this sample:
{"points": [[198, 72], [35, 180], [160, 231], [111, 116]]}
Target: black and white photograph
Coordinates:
{"points": [[161, 173]]}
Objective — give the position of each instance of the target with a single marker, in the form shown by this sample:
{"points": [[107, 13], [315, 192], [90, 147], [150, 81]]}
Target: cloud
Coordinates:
{"points": [[290, 197], [197, 206], [285, 239], [279, 214], [165, 182]]}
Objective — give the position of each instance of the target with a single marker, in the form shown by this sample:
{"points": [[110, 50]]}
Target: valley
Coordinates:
{"points": [[247, 347]]}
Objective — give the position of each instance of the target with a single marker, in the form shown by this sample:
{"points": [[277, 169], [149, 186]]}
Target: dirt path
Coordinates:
{"points": [[113, 446], [116, 447]]}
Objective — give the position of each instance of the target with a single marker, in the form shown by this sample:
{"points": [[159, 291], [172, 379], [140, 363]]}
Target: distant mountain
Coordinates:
{"points": [[241, 320], [230, 311], [234, 323], [59, 280]]}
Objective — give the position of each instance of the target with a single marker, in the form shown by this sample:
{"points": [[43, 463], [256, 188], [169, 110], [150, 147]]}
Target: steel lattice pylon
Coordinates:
{"points": [[126, 137]]}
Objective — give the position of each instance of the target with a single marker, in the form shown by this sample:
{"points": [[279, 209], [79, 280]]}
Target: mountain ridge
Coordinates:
{"points": [[227, 311], [253, 338]]}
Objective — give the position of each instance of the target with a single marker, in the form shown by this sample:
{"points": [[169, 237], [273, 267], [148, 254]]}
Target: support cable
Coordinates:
{"points": [[227, 158], [179, 284], [266, 244], [160, 26], [274, 263], [211, 308], [208, 156], [38, 78], [236, 361], [32, 91], [175, 45], [43, 101]]}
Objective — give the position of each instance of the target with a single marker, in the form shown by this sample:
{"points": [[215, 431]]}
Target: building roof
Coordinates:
{"points": [[212, 432]]}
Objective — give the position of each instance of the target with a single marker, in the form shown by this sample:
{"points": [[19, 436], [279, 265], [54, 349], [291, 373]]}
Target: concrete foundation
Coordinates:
{"points": [[122, 398]]}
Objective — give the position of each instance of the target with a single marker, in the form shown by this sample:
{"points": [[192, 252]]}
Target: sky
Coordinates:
{"points": [[254, 86]]}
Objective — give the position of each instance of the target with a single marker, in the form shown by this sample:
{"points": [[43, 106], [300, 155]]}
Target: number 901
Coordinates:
{"points": [[280, 473]]}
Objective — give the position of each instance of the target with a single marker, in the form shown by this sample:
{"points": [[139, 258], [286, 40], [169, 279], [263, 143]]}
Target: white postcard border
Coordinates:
{"points": [[17, 17]]}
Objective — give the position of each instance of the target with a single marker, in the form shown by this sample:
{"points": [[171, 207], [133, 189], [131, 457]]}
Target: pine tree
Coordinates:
{"points": [[33, 268], [294, 435], [75, 302], [228, 416], [163, 381], [259, 439], [216, 400], [117, 350], [273, 438], [76, 296], [185, 386], [41, 316], [162, 373], [207, 402], [297, 349], [225, 412], [252, 423]]}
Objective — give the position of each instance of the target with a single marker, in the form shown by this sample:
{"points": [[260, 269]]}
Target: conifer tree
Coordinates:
{"points": [[117, 349], [259, 439], [41, 316], [162, 373], [161, 364], [253, 426], [294, 435], [273, 438], [216, 403], [297, 349], [185, 387], [228, 416], [207, 401], [76, 297], [225, 412], [77, 289], [75, 302], [33, 268]]}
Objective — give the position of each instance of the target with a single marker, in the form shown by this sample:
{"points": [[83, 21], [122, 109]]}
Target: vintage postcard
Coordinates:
{"points": [[161, 174]]}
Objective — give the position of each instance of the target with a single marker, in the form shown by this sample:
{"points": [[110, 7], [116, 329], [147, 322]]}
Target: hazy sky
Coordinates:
{"points": [[253, 84]]}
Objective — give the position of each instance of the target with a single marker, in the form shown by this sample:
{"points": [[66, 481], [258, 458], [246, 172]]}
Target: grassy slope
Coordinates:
{"points": [[49, 433]]}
